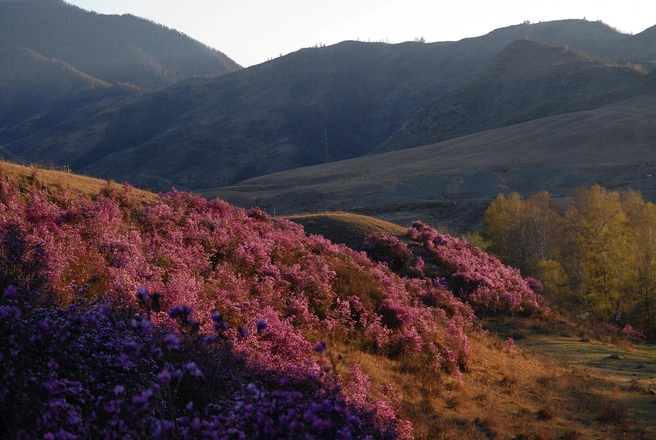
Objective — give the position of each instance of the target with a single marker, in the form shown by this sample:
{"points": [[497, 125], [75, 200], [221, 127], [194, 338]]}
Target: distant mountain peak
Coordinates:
{"points": [[115, 49]]}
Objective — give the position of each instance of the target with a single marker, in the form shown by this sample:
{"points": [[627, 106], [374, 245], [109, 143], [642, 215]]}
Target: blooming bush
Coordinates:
{"points": [[633, 333], [390, 250], [483, 281]]}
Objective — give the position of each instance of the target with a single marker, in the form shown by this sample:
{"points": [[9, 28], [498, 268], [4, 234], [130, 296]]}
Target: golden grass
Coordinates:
{"points": [[55, 182], [344, 227], [527, 394]]}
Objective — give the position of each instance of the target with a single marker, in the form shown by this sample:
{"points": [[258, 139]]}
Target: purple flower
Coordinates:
{"points": [[141, 325], [50, 387], [172, 341], [181, 312], [119, 389], [105, 310], [220, 327], [261, 325], [216, 317], [156, 352], [11, 292], [320, 347], [174, 312], [131, 348], [243, 331], [193, 370], [164, 376], [210, 339], [9, 312], [142, 294]]}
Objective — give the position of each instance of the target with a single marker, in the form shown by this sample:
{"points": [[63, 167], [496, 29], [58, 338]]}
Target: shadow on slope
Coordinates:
{"points": [[611, 146]]}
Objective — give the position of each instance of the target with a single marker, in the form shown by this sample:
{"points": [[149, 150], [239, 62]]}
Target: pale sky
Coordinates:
{"points": [[252, 31]]}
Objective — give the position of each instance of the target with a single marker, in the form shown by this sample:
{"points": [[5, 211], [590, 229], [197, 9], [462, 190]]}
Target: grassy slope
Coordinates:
{"points": [[57, 182], [542, 390], [453, 181], [344, 227]]}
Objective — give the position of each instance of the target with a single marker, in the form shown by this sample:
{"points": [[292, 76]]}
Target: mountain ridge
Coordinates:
{"points": [[115, 49], [527, 80], [312, 106]]}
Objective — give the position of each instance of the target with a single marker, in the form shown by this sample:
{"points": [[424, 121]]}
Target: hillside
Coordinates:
{"points": [[313, 106], [114, 49], [525, 81], [36, 90], [345, 228], [640, 48], [57, 183], [24, 72], [452, 182], [271, 333]]}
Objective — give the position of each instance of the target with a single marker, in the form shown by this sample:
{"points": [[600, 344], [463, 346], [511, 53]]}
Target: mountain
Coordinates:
{"points": [[452, 182], [313, 106], [114, 49], [525, 81], [25, 72], [640, 48], [36, 92]]}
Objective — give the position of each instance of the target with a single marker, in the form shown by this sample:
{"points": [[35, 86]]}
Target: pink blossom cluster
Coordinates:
{"points": [[390, 250], [480, 279], [633, 333]]}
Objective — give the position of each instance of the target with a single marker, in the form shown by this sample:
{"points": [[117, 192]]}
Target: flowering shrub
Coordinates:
{"points": [[483, 281], [390, 250], [510, 345], [633, 333]]}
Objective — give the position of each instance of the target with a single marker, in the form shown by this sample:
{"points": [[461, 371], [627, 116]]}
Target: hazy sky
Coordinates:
{"points": [[252, 31]]}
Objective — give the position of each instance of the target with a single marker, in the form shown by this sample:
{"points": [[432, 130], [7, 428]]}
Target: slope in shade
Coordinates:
{"points": [[453, 181], [313, 106], [525, 81], [108, 47]]}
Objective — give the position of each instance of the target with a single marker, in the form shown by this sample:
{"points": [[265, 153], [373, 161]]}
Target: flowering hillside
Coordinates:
{"points": [[185, 318], [480, 279]]}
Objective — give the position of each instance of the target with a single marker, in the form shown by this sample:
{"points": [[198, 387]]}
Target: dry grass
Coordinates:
{"points": [[526, 394], [56, 182], [344, 227]]}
